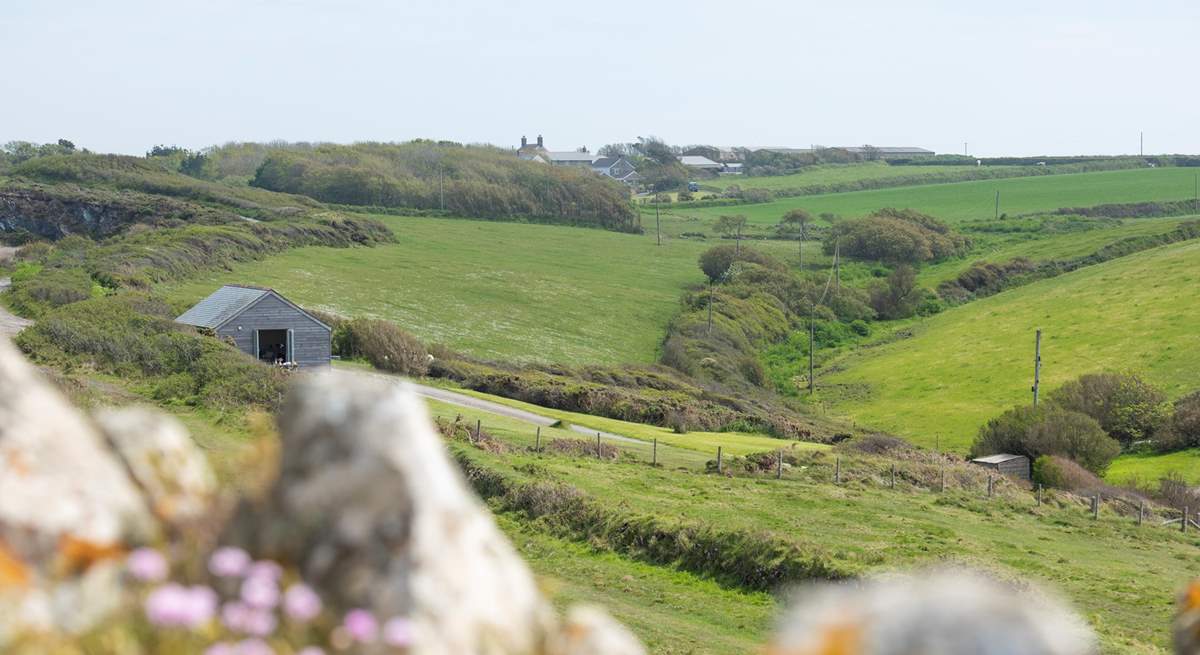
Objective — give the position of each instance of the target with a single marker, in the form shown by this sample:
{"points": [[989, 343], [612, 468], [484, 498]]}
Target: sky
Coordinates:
{"points": [[1018, 77]]}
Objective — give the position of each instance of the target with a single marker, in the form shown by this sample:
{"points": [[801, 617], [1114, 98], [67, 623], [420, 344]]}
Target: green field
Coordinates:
{"points": [[970, 363], [1150, 468], [1122, 578], [962, 201], [840, 173], [513, 292]]}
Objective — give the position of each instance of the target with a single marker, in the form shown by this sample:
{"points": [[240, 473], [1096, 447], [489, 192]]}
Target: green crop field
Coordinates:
{"points": [[835, 174], [962, 201], [513, 292], [1122, 578], [1148, 469], [967, 364]]}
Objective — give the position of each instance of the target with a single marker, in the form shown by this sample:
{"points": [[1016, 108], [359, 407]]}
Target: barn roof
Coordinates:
{"points": [[997, 459], [222, 305]]}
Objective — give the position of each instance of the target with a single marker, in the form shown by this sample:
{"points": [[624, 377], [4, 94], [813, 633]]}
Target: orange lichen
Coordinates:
{"points": [[78, 555], [13, 572], [1191, 597]]}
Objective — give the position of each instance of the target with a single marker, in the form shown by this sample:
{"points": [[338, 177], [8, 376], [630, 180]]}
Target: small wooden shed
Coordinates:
{"points": [[263, 324], [1016, 466]]}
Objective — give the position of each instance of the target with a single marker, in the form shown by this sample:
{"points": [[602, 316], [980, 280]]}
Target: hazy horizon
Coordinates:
{"points": [[1020, 78]]}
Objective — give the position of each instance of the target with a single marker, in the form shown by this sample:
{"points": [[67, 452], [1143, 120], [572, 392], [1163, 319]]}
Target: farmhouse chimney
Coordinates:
{"points": [[524, 142], [540, 145]]}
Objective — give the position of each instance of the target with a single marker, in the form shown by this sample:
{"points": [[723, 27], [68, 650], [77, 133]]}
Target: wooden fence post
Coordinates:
{"points": [[942, 484], [478, 427], [1039, 495], [1183, 525], [893, 481], [1141, 512], [537, 440], [837, 470], [718, 459], [654, 454], [598, 455], [989, 485], [779, 465], [1095, 506]]}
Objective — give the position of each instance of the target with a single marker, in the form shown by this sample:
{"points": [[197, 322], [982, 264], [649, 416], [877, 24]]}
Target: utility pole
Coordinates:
{"points": [[997, 204], [1141, 144], [1037, 367], [964, 147], [1196, 192], [837, 264], [441, 188], [811, 340]]}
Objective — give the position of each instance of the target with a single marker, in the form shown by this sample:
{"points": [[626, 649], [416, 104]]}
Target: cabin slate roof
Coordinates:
{"points": [[698, 161], [222, 305], [997, 459]]}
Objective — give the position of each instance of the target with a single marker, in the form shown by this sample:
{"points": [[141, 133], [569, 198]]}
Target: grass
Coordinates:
{"points": [[1122, 578], [672, 612], [970, 363], [1149, 468], [513, 292], [733, 443], [961, 201], [835, 174], [1041, 247]]}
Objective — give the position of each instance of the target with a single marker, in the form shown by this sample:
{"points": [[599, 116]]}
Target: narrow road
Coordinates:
{"points": [[471, 402], [10, 324]]}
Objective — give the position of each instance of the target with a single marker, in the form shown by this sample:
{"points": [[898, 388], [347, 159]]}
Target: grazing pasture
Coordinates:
{"points": [[968, 364]]}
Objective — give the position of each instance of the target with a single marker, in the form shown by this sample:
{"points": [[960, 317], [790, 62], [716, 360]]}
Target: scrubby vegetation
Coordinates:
{"points": [[381, 343], [1048, 429], [896, 236], [133, 336], [473, 181]]}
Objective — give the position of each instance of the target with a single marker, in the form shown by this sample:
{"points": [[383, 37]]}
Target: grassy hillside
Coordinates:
{"points": [[833, 174], [970, 363], [972, 200], [1121, 577], [504, 291]]}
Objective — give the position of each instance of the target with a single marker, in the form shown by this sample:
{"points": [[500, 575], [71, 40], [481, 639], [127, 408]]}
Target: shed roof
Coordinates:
{"points": [[222, 305], [997, 459], [698, 161], [571, 156]]}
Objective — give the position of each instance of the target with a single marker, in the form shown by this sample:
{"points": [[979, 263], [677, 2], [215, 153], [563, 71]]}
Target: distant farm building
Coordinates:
{"points": [[262, 324], [618, 168], [1016, 466], [700, 163], [880, 152]]}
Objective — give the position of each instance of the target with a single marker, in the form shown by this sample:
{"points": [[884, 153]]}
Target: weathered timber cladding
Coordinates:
{"points": [[310, 339]]}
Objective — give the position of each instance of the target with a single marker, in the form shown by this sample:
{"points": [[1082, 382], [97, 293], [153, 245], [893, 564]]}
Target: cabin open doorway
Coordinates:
{"points": [[273, 346]]}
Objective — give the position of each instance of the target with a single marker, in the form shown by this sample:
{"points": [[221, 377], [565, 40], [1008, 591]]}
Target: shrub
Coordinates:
{"points": [[718, 260], [1185, 422], [386, 346], [1127, 408], [1061, 473], [899, 296], [896, 236], [1047, 430]]}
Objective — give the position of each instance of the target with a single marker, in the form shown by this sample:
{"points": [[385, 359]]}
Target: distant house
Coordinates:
{"points": [[732, 168], [539, 153], [700, 163], [618, 168], [1016, 466], [262, 324], [890, 152]]}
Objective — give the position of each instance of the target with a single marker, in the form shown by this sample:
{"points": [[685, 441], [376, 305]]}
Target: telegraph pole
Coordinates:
{"points": [[1141, 144], [710, 300], [1037, 367], [657, 222], [811, 339], [997, 204], [441, 188], [837, 265]]}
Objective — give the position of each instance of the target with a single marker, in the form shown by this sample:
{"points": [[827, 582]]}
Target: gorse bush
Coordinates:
{"points": [[717, 262], [896, 236], [1127, 408], [383, 344], [1061, 473], [473, 181], [1048, 429]]}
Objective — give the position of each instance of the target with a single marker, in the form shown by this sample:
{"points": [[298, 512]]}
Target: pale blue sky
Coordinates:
{"points": [[1012, 77]]}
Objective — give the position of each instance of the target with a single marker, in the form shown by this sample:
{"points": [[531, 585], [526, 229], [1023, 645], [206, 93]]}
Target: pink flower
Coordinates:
{"points": [[254, 647], [147, 565], [221, 648], [260, 591], [265, 568], [301, 603], [229, 562], [398, 632], [361, 625], [234, 615], [174, 605]]}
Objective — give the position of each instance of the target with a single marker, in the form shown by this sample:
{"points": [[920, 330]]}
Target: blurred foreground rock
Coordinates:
{"points": [[68, 508], [935, 613], [372, 510]]}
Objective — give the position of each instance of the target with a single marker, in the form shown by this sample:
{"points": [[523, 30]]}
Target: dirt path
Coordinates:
{"points": [[10, 324], [471, 402]]}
